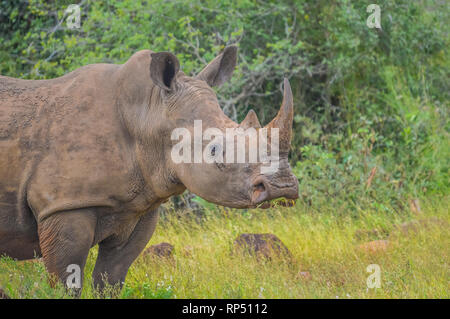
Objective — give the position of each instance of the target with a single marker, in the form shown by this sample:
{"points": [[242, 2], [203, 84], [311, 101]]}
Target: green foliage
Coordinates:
{"points": [[208, 207], [364, 98], [28, 279], [145, 291]]}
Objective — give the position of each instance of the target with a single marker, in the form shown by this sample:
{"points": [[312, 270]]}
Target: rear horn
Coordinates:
{"points": [[251, 120]]}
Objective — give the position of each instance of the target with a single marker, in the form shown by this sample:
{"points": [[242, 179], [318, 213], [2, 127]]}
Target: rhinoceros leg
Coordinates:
{"points": [[65, 239], [116, 256]]}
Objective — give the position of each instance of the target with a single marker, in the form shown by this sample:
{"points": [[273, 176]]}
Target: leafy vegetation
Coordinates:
{"points": [[371, 132]]}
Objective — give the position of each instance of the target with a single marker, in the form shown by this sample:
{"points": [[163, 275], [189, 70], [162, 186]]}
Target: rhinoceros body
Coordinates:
{"points": [[84, 160], [63, 149]]}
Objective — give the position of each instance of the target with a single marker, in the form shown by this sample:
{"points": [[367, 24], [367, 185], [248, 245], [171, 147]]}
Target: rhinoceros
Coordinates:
{"points": [[85, 159]]}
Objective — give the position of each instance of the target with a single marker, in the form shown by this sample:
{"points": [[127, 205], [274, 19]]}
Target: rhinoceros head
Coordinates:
{"points": [[202, 145]]}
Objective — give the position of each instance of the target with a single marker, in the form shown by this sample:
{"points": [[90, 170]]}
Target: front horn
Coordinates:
{"points": [[284, 118]]}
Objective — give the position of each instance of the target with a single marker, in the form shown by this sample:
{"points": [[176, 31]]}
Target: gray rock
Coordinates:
{"points": [[262, 245]]}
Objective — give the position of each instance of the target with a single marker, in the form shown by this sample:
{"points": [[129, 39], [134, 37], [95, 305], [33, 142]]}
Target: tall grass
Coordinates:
{"points": [[205, 265]]}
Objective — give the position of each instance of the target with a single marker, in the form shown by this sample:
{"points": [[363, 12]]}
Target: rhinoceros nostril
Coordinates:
{"points": [[259, 187], [259, 192]]}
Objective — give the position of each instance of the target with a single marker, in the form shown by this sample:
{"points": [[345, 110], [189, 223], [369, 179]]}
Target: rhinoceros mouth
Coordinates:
{"points": [[274, 203]]}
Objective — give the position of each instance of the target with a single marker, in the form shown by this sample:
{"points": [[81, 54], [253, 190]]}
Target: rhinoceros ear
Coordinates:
{"points": [[163, 69], [219, 70]]}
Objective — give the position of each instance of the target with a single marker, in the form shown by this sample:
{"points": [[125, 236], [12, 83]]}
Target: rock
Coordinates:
{"points": [[409, 227], [415, 226], [162, 250], [3, 295], [303, 275], [375, 246], [262, 245]]}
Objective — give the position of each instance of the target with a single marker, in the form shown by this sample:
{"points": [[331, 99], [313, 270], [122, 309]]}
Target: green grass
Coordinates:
{"points": [[323, 243]]}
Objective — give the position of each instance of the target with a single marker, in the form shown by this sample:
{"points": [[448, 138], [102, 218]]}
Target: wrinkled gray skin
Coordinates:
{"points": [[85, 159]]}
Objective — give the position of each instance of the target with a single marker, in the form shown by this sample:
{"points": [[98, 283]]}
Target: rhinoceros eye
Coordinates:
{"points": [[215, 150]]}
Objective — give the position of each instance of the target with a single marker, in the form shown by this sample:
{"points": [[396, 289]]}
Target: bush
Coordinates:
{"points": [[364, 98]]}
